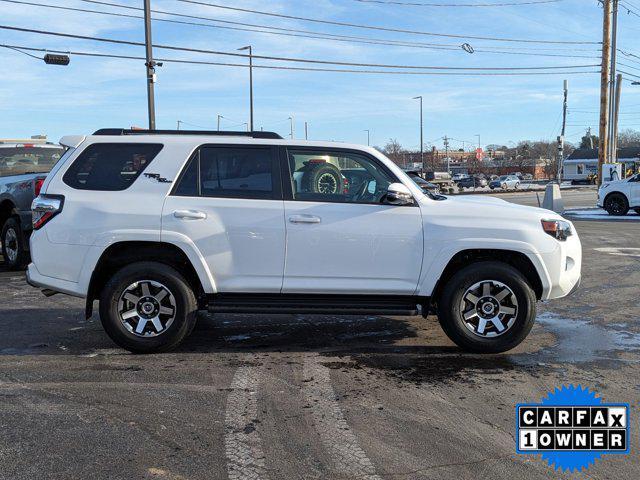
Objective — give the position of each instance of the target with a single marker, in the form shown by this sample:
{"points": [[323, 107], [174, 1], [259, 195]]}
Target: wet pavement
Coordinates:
{"points": [[304, 396]]}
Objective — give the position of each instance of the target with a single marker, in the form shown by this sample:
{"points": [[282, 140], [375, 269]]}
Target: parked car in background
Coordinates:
{"points": [[505, 182], [472, 182], [459, 176], [618, 196], [156, 225], [423, 184], [527, 176], [23, 168]]}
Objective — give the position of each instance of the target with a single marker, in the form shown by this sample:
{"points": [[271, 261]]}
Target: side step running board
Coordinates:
{"points": [[315, 304]]}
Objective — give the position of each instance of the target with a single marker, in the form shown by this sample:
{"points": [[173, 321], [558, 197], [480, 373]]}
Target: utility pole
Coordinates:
{"points": [[291, 132], [478, 135], [151, 72], [306, 131], [368, 138], [248, 47], [604, 87], [616, 113], [612, 76], [421, 134], [179, 122], [219, 117], [562, 133], [446, 153]]}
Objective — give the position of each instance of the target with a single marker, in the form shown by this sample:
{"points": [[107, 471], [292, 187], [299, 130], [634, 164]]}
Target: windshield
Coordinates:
{"points": [[504, 177], [22, 160]]}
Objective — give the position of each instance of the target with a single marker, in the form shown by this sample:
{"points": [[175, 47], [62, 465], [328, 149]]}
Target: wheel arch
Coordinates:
{"points": [[119, 254], [616, 192], [517, 259], [7, 210]]}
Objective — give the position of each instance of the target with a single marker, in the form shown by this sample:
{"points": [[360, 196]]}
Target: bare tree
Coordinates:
{"points": [[393, 149]]}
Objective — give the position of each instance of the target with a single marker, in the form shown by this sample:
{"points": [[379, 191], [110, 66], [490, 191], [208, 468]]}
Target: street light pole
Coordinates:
{"points": [[291, 120], [150, 64], [421, 134], [478, 140], [306, 131], [219, 117], [248, 47], [368, 138]]}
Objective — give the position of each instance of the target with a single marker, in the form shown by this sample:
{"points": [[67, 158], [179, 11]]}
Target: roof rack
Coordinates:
{"points": [[123, 131]]}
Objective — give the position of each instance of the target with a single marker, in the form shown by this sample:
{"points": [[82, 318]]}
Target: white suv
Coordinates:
{"points": [[158, 225], [618, 196]]}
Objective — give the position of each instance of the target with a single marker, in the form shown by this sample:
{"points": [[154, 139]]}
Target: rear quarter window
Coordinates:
{"points": [[110, 166]]}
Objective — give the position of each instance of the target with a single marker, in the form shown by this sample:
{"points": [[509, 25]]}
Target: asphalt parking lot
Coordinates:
{"points": [[301, 396]]}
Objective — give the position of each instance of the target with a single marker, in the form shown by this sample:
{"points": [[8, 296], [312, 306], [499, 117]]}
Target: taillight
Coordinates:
{"points": [[44, 208], [37, 185]]}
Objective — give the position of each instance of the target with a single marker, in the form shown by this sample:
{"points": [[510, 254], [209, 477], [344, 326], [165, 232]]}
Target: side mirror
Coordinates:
{"points": [[398, 194]]}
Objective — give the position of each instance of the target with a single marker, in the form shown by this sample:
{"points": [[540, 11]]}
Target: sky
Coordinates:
{"points": [[92, 93]]}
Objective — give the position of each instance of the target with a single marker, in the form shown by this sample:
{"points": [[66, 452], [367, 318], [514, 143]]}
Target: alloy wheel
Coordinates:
{"points": [[327, 184], [489, 308], [147, 308], [10, 241]]}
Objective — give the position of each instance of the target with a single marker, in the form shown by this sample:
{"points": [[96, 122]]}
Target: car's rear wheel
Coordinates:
{"points": [[487, 307], [13, 241], [148, 307], [637, 210], [616, 204], [517, 186]]}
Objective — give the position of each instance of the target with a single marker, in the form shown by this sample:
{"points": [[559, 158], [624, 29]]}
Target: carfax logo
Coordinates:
{"points": [[572, 428]]}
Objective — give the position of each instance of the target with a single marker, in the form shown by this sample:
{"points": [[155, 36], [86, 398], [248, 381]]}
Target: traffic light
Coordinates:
{"points": [[52, 59]]}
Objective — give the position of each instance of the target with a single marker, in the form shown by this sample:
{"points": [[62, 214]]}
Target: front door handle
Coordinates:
{"points": [[190, 214], [304, 219]]}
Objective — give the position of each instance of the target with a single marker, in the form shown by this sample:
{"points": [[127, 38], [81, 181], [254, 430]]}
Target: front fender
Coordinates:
{"points": [[437, 259]]}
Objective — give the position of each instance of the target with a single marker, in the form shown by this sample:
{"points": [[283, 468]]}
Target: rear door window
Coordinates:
{"points": [[231, 172], [110, 166]]}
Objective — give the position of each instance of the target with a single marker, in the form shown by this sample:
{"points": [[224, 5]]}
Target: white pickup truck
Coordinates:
{"points": [[156, 225]]}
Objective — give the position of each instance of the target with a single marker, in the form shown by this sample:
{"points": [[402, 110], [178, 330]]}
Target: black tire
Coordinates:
{"points": [[185, 311], [13, 239], [616, 204], [637, 210], [517, 186], [450, 311], [323, 178]]}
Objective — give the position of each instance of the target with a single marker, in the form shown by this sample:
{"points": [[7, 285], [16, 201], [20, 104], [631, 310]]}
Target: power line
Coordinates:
{"points": [[304, 33], [422, 4], [289, 59], [305, 69], [386, 29]]}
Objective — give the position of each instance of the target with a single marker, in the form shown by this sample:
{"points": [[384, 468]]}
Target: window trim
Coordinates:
{"points": [[79, 154], [287, 175], [276, 193]]}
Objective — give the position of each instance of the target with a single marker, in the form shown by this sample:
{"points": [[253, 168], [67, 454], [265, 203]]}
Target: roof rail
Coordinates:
{"points": [[123, 131]]}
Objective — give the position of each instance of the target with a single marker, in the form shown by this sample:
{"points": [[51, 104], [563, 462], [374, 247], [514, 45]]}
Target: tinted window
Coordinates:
{"points": [[23, 160], [234, 172], [110, 166], [333, 176]]}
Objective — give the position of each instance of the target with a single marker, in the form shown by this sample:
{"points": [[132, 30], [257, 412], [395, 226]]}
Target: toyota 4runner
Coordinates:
{"points": [[157, 225]]}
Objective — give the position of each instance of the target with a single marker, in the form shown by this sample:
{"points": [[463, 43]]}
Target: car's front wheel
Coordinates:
{"points": [[616, 204], [487, 307], [13, 251], [148, 307]]}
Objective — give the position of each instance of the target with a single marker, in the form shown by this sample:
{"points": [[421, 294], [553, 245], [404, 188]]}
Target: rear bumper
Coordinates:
{"points": [[37, 280]]}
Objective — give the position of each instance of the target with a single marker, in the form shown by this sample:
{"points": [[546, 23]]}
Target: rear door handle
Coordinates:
{"points": [[190, 214], [304, 219]]}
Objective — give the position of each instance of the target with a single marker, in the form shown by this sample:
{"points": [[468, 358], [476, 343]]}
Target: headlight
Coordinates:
{"points": [[558, 229]]}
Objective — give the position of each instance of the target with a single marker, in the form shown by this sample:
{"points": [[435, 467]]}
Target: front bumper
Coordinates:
{"points": [[564, 268]]}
